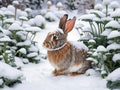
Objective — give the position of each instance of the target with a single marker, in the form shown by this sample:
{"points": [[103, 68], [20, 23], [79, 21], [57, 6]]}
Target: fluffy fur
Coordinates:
{"points": [[67, 59]]}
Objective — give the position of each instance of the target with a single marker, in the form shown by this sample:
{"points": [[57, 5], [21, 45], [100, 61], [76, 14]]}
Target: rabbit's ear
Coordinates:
{"points": [[70, 24], [63, 21]]}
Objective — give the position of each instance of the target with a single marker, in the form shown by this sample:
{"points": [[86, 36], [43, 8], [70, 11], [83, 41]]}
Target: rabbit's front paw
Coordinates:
{"points": [[54, 72]]}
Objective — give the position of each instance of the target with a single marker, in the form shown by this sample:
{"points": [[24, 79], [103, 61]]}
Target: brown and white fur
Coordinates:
{"points": [[62, 54]]}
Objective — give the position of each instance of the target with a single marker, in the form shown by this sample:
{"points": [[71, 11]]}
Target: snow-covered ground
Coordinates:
{"points": [[39, 77]]}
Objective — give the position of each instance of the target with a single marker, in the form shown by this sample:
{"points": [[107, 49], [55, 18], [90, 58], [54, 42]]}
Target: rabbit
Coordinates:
{"points": [[68, 58]]}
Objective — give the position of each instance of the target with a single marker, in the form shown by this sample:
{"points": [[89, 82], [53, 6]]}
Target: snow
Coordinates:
{"points": [[51, 16], [79, 45], [114, 4], [106, 2], [1, 13], [9, 13], [1, 55], [33, 49], [22, 50], [22, 13], [15, 3], [114, 34], [15, 27], [103, 72], [115, 13], [40, 78], [92, 41], [18, 62], [106, 32], [92, 59], [114, 76], [6, 32], [5, 39], [21, 34], [99, 13], [25, 43], [29, 10], [31, 21], [10, 20], [43, 12], [10, 8], [113, 46], [104, 19], [86, 29], [38, 57], [23, 18], [116, 57], [25, 61], [8, 51], [1, 28], [59, 4], [33, 29], [3, 8], [97, 19], [60, 30], [39, 20], [25, 25], [91, 72], [14, 47], [101, 48], [60, 13], [107, 10], [8, 72], [112, 24], [1, 81], [95, 54], [98, 7], [34, 54], [49, 2], [88, 17]]}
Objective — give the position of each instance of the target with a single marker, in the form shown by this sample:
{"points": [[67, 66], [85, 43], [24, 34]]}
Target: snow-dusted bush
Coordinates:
{"points": [[23, 42], [17, 45], [98, 7], [104, 45], [114, 80], [40, 21], [23, 18], [51, 17], [9, 75], [43, 12]]}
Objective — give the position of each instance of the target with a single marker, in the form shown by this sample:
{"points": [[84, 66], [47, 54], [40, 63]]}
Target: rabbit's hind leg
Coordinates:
{"points": [[81, 70], [59, 72], [73, 74]]}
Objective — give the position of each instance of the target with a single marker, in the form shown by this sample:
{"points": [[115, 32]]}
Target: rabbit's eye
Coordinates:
{"points": [[55, 37]]}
